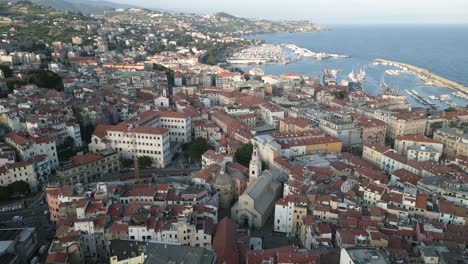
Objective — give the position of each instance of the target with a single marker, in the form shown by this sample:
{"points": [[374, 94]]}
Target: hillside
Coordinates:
{"points": [[27, 22], [82, 6], [226, 24]]}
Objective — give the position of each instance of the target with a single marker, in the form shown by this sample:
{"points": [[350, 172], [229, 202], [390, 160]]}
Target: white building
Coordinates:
{"points": [[141, 141], [271, 114], [161, 102], [28, 147], [73, 131], [289, 214], [88, 238], [147, 134], [423, 153], [18, 171]]}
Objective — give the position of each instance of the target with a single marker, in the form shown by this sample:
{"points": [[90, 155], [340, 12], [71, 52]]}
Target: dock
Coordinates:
{"points": [[421, 99], [428, 77]]}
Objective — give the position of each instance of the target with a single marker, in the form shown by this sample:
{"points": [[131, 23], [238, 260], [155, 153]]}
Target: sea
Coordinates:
{"points": [[441, 49]]}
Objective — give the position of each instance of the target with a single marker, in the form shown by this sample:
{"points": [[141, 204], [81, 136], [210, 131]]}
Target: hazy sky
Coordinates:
{"points": [[326, 11]]}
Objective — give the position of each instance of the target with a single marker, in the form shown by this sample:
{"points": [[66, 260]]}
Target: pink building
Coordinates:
{"points": [[373, 130]]}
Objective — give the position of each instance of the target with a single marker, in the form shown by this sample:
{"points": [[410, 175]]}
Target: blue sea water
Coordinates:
{"points": [[441, 49]]}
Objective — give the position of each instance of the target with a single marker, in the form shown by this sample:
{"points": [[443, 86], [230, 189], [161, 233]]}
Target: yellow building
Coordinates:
{"points": [[406, 123], [455, 141], [373, 153], [89, 167], [290, 212], [292, 125]]}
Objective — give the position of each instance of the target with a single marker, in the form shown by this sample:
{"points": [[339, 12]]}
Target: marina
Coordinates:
{"points": [[428, 77], [345, 39], [263, 54], [303, 52], [421, 99]]}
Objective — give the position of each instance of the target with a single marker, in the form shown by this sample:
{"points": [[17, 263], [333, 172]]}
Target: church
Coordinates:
{"points": [[257, 203]]}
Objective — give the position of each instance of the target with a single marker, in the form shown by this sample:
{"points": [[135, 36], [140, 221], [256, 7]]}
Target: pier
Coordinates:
{"points": [[428, 77], [303, 52]]}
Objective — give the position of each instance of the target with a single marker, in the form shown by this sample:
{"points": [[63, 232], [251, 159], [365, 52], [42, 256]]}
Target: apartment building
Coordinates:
{"points": [[89, 167], [290, 212], [403, 143], [346, 130], [292, 125], [28, 146], [19, 171], [455, 141], [406, 123]]}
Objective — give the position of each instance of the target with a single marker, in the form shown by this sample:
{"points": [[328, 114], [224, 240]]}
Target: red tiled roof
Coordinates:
{"points": [[57, 257], [249, 100], [119, 227], [417, 138], [224, 242], [407, 176], [101, 130], [85, 159], [296, 121], [421, 201]]}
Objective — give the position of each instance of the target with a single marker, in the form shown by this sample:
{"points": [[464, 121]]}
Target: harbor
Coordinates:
{"points": [[428, 77], [263, 54], [303, 52], [421, 99]]}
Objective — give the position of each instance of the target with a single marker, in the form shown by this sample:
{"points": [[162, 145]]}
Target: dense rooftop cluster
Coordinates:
{"points": [[292, 169]]}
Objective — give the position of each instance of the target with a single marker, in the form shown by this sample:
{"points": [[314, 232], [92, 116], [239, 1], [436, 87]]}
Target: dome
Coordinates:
{"points": [[222, 179]]}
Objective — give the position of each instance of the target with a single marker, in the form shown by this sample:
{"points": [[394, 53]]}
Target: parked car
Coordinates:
{"points": [[17, 218]]}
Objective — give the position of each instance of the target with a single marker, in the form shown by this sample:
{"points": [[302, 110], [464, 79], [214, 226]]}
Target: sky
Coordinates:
{"points": [[326, 11]]}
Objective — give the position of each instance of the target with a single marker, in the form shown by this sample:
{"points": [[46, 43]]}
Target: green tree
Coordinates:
{"points": [[66, 150], [19, 187], [4, 194], [87, 133], [7, 71], [450, 109], [244, 154], [197, 148], [169, 72], [145, 162], [341, 95], [44, 79]]}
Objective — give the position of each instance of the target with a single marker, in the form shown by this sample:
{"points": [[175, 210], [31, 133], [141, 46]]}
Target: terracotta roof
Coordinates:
{"points": [[308, 141], [214, 156], [296, 121], [417, 138], [85, 159], [225, 74], [249, 100], [378, 147], [138, 190], [17, 139], [57, 257], [224, 242], [119, 227], [101, 130], [407, 176], [421, 201]]}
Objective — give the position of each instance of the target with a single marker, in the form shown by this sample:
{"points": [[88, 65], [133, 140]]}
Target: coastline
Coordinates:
{"points": [[434, 57]]}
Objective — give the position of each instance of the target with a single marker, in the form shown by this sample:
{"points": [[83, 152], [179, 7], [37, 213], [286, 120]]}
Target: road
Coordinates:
{"points": [[32, 217]]}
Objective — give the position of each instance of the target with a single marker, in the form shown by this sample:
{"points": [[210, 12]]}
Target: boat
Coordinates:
{"points": [[461, 94], [392, 72], [445, 98]]}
